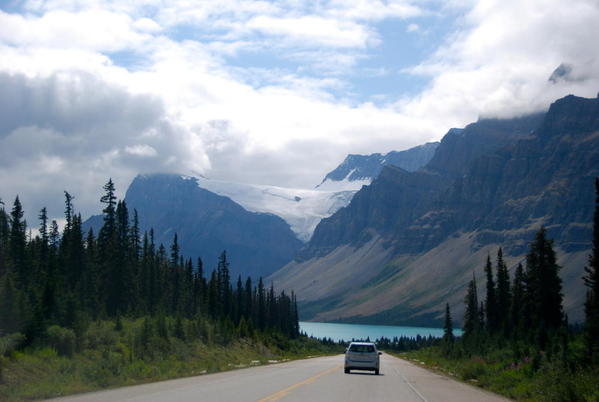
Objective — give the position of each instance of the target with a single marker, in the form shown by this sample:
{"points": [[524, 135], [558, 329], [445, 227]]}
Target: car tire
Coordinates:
{"points": [[376, 372], [346, 371]]}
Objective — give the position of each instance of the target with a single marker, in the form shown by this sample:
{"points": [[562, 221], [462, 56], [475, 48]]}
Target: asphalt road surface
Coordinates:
{"points": [[317, 379]]}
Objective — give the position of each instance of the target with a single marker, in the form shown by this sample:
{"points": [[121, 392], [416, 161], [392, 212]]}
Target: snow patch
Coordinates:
{"points": [[302, 209], [343, 185]]}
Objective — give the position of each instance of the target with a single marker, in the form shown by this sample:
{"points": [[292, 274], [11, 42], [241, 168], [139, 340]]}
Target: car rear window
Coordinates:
{"points": [[361, 348]]}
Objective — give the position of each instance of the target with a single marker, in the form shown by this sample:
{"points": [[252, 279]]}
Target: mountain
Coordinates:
{"points": [[207, 223], [358, 170], [410, 241], [303, 209]]}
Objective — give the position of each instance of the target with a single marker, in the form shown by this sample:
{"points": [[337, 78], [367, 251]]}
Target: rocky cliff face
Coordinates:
{"points": [[206, 224], [491, 184]]}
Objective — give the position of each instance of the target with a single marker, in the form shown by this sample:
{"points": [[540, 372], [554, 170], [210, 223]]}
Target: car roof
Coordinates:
{"points": [[363, 343]]}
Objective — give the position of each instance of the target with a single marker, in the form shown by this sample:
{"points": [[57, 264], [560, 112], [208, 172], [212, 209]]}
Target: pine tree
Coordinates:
{"points": [[54, 239], [448, 337], [491, 300], [12, 306], [294, 316], [109, 211], [591, 280], [261, 305], [543, 287], [239, 298], [17, 241], [44, 235], [175, 250], [503, 294], [224, 284], [471, 314], [518, 301], [4, 239], [248, 307]]}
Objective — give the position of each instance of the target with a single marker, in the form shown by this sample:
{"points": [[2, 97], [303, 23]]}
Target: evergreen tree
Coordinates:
{"points": [[17, 240], [109, 211], [224, 286], [44, 235], [503, 294], [491, 301], [261, 305], [12, 306], [517, 309], [591, 280], [239, 299], [248, 307], [448, 337], [294, 316], [4, 239], [54, 236], [471, 314], [543, 287], [214, 305], [175, 250]]}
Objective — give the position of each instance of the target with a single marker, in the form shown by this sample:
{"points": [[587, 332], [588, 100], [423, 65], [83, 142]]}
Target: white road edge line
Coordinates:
{"points": [[410, 385]]}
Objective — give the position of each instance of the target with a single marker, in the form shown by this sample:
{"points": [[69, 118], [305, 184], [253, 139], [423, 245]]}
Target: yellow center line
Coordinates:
{"points": [[278, 395]]}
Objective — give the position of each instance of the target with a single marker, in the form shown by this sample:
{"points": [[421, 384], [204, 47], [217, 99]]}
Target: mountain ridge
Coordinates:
{"points": [[357, 170], [519, 178]]}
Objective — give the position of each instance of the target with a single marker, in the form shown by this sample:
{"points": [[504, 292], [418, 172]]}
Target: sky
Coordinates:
{"points": [[263, 92]]}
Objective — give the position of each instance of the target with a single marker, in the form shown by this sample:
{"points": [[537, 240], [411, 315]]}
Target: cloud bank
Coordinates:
{"points": [[262, 92]]}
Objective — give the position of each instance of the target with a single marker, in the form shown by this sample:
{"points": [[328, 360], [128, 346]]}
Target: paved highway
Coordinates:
{"points": [[317, 379]]}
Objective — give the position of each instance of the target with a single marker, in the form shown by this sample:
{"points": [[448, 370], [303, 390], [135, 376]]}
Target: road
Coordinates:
{"points": [[317, 379]]}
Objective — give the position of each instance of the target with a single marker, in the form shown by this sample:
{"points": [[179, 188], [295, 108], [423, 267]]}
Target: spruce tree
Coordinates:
{"points": [[4, 239], [491, 300], [591, 280], [248, 308], [17, 241], [44, 234], [518, 302], [543, 287], [503, 294], [175, 250], [261, 305], [471, 314], [448, 337]]}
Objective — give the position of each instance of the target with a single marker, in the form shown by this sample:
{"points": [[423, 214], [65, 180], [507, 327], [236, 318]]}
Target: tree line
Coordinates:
{"points": [[69, 278], [525, 312]]}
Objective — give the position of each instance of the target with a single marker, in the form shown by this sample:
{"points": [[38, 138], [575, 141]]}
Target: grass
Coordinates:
{"points": [[109, 359], [525, 379]]}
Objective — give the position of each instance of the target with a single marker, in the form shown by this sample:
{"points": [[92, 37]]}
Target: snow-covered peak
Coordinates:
{"points": [[346, 184], [359, 170]]}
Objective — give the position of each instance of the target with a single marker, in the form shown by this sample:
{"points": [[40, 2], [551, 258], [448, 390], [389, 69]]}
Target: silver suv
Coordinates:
{"points": [[362, 356]]}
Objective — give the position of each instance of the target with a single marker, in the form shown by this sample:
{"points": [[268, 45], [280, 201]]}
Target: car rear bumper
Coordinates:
{"points": [[360, 365]]}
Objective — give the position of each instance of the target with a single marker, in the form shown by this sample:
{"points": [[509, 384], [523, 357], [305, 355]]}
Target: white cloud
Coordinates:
{"points": [[413, 28], [70, 117], [143, 150], [97, 30], [499, 63], [311, 30]]}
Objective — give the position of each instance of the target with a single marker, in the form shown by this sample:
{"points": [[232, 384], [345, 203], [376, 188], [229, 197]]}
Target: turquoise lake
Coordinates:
{"points": [[347, 332]]}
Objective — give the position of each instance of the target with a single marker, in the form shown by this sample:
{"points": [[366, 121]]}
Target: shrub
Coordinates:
{"points": [[10, 342], [61, 339], [100, 335]]}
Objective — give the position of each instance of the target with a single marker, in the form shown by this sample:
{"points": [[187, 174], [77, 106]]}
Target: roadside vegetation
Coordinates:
{"points": [[517, 342], [84, 312], [135, 351]]}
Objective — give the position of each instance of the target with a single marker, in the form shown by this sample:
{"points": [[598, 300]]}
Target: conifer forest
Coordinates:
{"points": [[67, 279]]}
